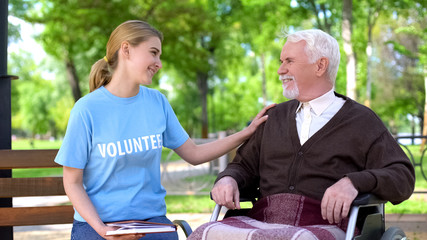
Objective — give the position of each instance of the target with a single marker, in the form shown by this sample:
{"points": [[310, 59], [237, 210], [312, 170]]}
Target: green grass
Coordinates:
{"points": [[35, 144], [411, 206], [189, 204], [24, 144], [36, 172], [202, 203]]}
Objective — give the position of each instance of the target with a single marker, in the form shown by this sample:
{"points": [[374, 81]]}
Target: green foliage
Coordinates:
{"points": [[400, 77], [31, 96], [226, 40], [38, 105]]}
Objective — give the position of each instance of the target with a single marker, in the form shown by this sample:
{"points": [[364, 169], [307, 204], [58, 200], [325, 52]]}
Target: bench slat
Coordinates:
{"points": [[28, 158], [26, 187], [26, 216]]}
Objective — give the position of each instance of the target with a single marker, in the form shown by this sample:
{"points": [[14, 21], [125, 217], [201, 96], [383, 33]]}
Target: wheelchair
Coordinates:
{"points": [[366, 214], [184, 226]]}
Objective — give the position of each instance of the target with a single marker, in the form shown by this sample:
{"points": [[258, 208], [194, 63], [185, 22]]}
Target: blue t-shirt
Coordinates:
{"points": [[118, 143]]}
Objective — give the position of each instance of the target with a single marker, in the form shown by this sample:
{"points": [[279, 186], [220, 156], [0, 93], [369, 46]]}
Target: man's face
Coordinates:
{"points": [[295, 71]]}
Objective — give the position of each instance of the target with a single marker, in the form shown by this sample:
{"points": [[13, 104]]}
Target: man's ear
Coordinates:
{"points": [[322, 66]]}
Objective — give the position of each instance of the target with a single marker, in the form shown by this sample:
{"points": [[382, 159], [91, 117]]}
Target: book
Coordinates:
{"points": [[135, 226]]}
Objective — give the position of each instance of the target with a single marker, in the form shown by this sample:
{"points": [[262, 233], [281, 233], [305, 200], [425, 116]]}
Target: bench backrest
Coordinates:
{"points": [[27, 187]]}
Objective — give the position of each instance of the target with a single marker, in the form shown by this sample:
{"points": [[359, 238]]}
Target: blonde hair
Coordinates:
{"points": [[132, 31]]}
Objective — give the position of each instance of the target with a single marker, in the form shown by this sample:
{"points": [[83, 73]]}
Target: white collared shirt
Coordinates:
{"points": [[322, 110]]}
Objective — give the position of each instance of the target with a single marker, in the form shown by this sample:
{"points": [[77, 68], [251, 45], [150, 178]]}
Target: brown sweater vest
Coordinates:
{"points": [[354, 143]]}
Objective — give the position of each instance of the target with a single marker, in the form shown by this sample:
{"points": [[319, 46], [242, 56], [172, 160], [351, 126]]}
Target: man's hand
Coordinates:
{"points": [[336, 201], [226, 193]]}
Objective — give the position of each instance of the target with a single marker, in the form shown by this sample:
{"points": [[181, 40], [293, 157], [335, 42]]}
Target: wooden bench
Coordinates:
{"points": [[40, 186], [27, 187]]}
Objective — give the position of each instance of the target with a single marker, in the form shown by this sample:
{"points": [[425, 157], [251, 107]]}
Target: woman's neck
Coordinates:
{"points": [[122, 87]]}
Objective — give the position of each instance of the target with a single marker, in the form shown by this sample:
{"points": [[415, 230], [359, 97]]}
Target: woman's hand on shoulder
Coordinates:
{"points": [[259, 119]]}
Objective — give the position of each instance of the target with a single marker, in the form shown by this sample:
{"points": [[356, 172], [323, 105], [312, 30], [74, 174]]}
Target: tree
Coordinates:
{"points": [[374, 9], [76, 32], [325, 13], [192, 36], [32, 99], [401, 74], [220, 56], [348, 48]]}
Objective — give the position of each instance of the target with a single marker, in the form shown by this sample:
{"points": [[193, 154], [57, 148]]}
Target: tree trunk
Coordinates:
{"points": [[264, 80], [202, 80], [348, 48], [73, 78], [373, 14], [424, 128], [369, 67]]}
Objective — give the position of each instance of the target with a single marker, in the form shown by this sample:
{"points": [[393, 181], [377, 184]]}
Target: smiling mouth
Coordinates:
{"points": [[152, 70], [286, 79]]}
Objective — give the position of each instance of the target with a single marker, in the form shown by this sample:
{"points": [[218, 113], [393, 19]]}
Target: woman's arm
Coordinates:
{"points": [[197, 154], [73, 185]]}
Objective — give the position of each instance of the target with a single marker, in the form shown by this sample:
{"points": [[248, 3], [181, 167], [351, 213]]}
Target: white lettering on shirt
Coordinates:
{"points": [[146, 143], [132, 145], [119, 146], [112, 152], [128, 145], [153, 141], [159, 140], [137, 144], [102, 149]]}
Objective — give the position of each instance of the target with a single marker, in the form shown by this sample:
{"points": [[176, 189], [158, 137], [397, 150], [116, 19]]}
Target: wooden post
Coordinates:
{"points": [[223, 159], [6, 233]]}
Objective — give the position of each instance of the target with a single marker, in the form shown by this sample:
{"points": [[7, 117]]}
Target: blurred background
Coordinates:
{"points": [[220, 61], [220, 57]]}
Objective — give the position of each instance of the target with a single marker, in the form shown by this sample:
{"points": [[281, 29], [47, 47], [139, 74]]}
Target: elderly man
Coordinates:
{"points": [[320, 145]]}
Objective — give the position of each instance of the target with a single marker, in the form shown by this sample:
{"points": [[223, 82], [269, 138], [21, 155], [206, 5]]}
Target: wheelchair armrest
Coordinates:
{"points": [[184, 225], [366, 199], [246, 195]]}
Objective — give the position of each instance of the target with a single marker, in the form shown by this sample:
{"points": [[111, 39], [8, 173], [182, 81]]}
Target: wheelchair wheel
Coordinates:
{"points": [[393, 233]]}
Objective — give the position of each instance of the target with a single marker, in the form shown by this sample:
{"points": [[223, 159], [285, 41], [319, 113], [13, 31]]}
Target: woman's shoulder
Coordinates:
{"points": [[153, 94], [151, 91], [89, 100]]}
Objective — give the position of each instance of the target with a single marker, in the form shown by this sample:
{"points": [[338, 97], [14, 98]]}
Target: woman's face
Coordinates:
{"points": [[144, 60]]}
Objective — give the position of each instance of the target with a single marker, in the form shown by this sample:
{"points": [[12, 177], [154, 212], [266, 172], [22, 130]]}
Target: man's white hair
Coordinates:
{"points": [[319, 44]]}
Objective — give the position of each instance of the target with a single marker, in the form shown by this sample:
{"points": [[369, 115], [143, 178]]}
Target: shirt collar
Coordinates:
{"points": [[321, 103]]}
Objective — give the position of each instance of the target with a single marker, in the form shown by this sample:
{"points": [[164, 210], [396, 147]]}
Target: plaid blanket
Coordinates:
{"points": [[281, 216]]}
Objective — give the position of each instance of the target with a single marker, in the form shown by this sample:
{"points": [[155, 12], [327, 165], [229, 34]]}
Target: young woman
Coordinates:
{"points": [[112, 148]]}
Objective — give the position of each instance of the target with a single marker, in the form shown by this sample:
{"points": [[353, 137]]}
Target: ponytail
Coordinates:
{"points": [[100, 75]]}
